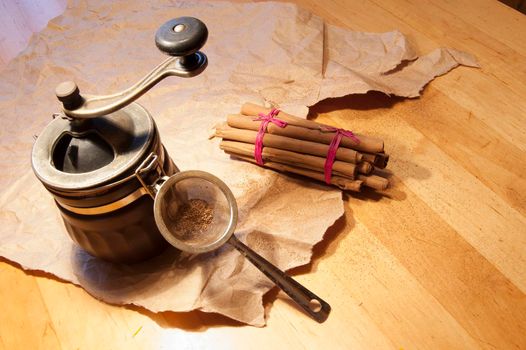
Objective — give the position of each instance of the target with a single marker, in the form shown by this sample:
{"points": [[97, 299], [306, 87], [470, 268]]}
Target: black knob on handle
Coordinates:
{"points": [[181, 36]]}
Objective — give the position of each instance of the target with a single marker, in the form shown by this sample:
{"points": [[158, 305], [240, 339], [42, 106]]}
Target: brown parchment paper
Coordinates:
{"points": [[264, 53]]}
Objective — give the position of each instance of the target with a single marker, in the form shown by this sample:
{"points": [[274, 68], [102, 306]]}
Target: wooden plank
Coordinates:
{"points": [[25, 315], [505, 23]]}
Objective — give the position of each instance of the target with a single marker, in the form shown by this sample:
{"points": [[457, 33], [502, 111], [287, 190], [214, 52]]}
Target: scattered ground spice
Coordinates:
{"points": [[193, 219]]}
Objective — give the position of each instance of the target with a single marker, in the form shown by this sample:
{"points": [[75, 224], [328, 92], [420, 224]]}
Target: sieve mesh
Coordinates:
{"points": [[195, 213]]}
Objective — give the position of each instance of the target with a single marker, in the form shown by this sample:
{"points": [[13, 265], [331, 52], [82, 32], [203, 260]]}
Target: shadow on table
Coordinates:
{"points": [[34, 273], [119, 282], [361, 102], [193, 321]]}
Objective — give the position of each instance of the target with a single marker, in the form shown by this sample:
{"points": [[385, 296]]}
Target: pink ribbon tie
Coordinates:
{"points": [[266, 119], [333, 148]]}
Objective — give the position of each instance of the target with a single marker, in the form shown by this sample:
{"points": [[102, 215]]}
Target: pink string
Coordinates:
{"points": [[266, 119], [333, 148]]}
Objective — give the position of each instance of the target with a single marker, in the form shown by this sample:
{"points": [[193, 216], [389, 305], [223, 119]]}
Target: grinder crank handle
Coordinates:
{"points": [[316, 307], [180, 38]]}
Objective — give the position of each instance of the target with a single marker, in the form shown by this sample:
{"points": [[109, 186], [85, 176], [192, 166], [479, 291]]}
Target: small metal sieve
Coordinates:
{"points": [[196, 212]]}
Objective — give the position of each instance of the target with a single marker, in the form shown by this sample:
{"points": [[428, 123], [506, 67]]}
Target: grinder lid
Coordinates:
{"points": [[73, 155]]}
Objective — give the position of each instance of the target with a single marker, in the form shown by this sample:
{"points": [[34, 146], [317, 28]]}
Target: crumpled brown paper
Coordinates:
{"points": [[264, 52]]}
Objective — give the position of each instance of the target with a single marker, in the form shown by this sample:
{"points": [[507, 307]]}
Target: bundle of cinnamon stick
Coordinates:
{"points": [[301, 147]]}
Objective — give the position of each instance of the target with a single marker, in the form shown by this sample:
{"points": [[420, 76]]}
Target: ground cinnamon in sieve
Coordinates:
{"points": [[193, 219]]}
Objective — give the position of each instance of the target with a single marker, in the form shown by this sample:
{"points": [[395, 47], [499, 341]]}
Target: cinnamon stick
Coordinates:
{"points": [[367, 144], [251, 109], [377, 159], [289, 144], [292, 158], [364, 168], [373, 181], [341, 182], [369, 157]]}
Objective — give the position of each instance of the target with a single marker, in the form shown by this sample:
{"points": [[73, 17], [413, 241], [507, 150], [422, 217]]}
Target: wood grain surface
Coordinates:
{"points": [[437, 262]]}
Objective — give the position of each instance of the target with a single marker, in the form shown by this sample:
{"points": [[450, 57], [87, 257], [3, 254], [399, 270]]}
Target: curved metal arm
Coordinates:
{"points": [[84, 107]]}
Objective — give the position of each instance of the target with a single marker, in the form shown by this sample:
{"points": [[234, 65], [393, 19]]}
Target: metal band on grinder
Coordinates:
{"points": [[107, 208]]}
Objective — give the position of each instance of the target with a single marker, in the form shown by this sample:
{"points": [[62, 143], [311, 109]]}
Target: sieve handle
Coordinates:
{"points": [[316, 307]]}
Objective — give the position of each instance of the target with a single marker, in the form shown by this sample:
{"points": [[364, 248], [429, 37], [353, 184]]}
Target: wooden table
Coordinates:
{"points": [[439, 262]]}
